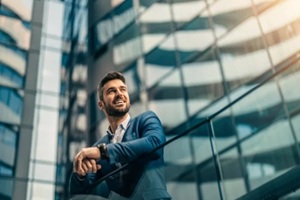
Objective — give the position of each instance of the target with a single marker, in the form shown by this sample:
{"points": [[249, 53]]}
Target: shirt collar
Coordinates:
{"points": [[123, 125]]}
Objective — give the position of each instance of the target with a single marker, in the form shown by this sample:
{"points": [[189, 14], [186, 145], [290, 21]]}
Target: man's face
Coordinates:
{"points": [[116, 102]]}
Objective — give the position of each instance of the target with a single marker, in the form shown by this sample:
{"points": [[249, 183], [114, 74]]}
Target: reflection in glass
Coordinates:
{"points": [[289, 84], [160, 61], [46, 127], [11, 105], [281, 26], [47, 189], [264, 135], [144, 4], [54, 25], [296, 126], [127, 45], [234, 181], [49, 79], [12, 66], [8, 145], [179, 174], [271, 150], [134, 79], [167, 95], [18, 9], [184, 11], [9, 77], [243, 56], [193, 38], [109, 25], [76, 18], [227, 14], [14, 32], [6, 188], [203, 81], [154, 27]]}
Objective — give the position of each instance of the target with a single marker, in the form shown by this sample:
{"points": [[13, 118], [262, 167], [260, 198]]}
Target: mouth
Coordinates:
{"points": [[119, 102]]}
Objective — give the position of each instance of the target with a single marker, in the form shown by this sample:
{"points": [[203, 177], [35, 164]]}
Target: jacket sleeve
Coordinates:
{"points": [[151, 135], [81, 185]]}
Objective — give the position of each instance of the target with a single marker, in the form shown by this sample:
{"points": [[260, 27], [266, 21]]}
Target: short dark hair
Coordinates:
{"points": [[108, 77]]}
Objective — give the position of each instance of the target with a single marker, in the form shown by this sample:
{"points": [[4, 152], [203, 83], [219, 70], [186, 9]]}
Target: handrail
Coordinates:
{"points": [[277, 187], [204, 121]]}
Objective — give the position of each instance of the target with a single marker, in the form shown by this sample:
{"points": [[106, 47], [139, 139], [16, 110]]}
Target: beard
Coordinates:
{"points": [[116, 112]]}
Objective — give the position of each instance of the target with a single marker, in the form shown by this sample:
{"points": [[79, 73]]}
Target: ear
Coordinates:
{"points": [[100, 105]]}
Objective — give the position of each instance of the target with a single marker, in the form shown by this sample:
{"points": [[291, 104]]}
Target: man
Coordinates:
{"points": [[128, 140]]}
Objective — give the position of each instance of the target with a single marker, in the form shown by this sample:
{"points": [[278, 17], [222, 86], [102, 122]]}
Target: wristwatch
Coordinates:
{"points": [[103, 151]]}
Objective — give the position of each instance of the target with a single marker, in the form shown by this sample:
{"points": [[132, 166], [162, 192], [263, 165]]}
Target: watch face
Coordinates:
{"points": [[103, 151]]}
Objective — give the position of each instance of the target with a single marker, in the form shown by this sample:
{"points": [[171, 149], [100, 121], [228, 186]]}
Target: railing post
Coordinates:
{"points": [[216, 159]]}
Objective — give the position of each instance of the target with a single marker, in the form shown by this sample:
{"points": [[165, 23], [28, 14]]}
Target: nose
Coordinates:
{"points": [[118, 93]]}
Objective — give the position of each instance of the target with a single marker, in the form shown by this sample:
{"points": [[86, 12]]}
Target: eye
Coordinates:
{"points": [[123, 89], [109, 91]]}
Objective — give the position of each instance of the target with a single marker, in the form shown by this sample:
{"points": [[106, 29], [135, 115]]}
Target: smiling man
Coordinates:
{"points": [[127, 141]]}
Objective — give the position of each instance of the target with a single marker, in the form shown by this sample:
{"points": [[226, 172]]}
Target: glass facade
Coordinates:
{"points": [[184, 60], [42, 74]]}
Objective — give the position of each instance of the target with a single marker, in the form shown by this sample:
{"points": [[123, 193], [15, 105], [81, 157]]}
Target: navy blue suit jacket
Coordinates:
{"points": [[144, 179]]}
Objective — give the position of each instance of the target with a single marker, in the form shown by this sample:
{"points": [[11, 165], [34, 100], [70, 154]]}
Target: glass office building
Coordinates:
{"points": [[187, 60], [42, 97], [184, 60]]}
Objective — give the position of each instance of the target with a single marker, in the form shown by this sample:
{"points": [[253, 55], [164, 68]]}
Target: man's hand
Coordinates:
{"points": [[85, 161]]}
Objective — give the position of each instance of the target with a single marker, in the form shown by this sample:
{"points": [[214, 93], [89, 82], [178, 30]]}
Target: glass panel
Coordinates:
{"points": [[281, 26], [127, 45], [229, 13], [193, 38], [82, 3], [47, 100], [42, 191], [113, 23], [21, 9], [191, 172], [144, 4], [296, 126], [11, 105], [289, 84], [49, 79], [50, 42], [184, 11], [167, 95], [269, 153], [161, 61], [205, 172], [44, 171], [54, 25], [179, 172], [232, 172], [8, 145], [154, 27], [14, 32], [202, 91], [46, 141], [264, 142], [135, 81], [12, 66], [225, 130], [243, 56], [74, 17], [6, 188]]}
